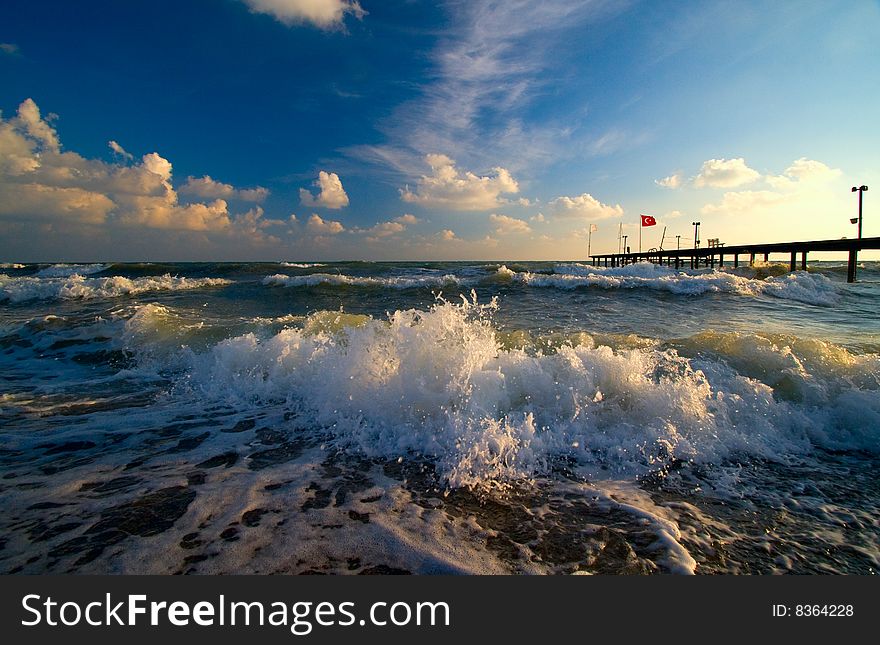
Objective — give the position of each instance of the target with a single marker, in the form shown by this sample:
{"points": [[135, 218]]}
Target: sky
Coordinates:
{"points": [[408, 130]]}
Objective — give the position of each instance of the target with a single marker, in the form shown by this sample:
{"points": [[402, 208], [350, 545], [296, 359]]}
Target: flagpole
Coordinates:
{"points": [[640, 233], [589, 242]]}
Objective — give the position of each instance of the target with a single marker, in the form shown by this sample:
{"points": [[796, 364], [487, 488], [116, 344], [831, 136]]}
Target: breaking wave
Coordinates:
{"points": [[442, 384], [76, 286], [402, 282], [800, 286]]}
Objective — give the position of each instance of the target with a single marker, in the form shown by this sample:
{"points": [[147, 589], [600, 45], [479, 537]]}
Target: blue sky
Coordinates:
{"points": [[332, 129]]}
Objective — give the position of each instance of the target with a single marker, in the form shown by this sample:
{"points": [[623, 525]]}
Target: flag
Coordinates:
{"points": [[593, 228], [648, 220]]}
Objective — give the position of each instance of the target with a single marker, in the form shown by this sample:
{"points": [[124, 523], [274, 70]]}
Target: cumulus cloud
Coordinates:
{"points": [[331, 194], [42, 184], [804, 183], [449, 187], [584, 206], [505, 225], [725, 173], [538, 218], [803, 171], [208, 188], [446, 234], [672, 181], [319, 226], [324, 14]]}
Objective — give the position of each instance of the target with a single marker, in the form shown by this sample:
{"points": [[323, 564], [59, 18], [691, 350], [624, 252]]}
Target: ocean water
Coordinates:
{"points": [[469, 417]]}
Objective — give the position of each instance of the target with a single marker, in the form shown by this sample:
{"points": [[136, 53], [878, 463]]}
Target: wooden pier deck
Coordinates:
{"points": [[715, 255]]}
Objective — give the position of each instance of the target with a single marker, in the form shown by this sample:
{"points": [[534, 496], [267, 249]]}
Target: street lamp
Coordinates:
{"points": [[696, 234], [624, 244], [860, 189], [678, 242]]}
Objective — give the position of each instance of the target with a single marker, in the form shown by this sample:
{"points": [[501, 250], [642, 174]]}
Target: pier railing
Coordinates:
{"points": [[715, 255]]}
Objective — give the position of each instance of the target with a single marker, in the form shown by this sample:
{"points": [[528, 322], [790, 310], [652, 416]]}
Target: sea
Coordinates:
{"points": [[439, 418]]}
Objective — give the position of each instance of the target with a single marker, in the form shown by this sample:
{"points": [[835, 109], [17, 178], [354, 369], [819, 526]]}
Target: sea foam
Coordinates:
{"points": [[800, 286], [20, 289], [396, 282], [438, 383]]}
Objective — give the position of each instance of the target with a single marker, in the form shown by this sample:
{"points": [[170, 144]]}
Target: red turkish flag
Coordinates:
{"points": [[647, 220]]}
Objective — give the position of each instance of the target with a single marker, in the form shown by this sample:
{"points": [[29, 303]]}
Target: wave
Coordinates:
{"points": [[11, 265], [442, 384], [301, 265], [315, 279], [799, 286], [68, 270], [76, 286]]}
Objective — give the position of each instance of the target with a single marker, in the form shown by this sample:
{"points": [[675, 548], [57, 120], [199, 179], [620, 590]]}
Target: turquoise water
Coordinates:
{"points": [[439, 417]]}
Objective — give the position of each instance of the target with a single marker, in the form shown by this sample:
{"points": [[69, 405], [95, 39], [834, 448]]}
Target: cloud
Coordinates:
{"points": [[324, 14], [9, 48], [744, 202], [120, 151], [448, 187], [446, 235], [319, 226], [207, 188], [35, 126], [538, 218], [802, 171], [725, 173], [486, 72], [408, 218], [331, 195], [42, 185], [505, 225], [804, 183], [36, 202], [672, 181], [584, 206]]}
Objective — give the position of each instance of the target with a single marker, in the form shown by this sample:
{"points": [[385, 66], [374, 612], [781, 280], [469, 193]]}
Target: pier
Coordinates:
{"points": [[713, 256]]}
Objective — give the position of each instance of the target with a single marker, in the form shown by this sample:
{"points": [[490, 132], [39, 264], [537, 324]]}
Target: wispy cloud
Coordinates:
{"points": [[488, 68]]}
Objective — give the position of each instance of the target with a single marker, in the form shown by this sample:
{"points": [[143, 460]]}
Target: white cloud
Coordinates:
{"points": [[584, 206], [489, 65], [505, 225], [319, 226], [331, 194], [744, 202], [35, 126], [672, 181], [449, 187], [9, 48], [538, 218], [805, 183], [324, 14], [725, 173], [41, 184], [447, 235], [119, 150], [208, 188], [802, 171], [33, 201], [407, 218]]}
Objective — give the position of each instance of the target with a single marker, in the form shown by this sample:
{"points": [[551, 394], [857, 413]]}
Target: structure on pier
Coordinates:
{"points": [[715, 255]]}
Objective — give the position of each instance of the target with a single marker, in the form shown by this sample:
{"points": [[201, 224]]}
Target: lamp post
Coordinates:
{"points": [[624, 244], [678, 242], [860, 189], [696, 234]]}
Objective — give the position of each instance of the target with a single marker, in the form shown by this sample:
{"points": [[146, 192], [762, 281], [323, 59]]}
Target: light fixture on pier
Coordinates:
{"points": [[861, 190]]}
